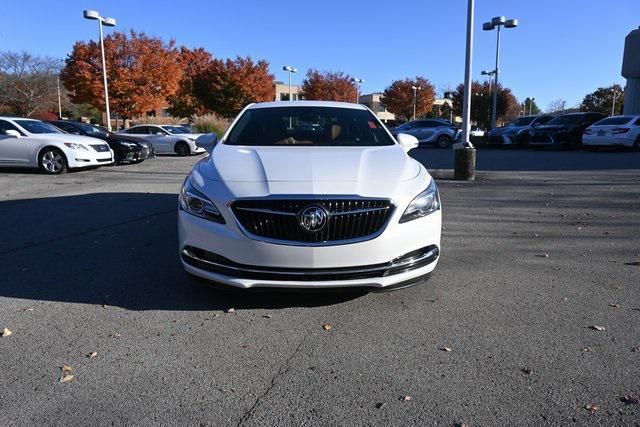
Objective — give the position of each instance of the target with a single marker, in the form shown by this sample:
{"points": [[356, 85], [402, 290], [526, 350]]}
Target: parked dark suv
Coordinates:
{"points": [[125, 148], [517, 131], [563, 131]]}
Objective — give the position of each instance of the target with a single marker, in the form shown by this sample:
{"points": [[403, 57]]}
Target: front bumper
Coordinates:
{"points": [[81, 159], [221, 253]]}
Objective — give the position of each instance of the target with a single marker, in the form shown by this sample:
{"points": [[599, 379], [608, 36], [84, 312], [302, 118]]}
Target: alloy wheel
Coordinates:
{"points": [[53, 162]]}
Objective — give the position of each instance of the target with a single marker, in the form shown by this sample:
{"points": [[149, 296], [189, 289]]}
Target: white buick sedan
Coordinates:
{"points": [[31, 143], [309, 194]]}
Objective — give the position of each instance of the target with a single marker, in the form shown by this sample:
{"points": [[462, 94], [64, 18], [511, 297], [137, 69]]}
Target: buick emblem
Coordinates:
{"points": [[313, 218]]}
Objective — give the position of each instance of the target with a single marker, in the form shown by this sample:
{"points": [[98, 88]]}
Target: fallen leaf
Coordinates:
{"points": [[267, 316], [527, 371], [445, 349], [614, 305], [115, 335], [92, 354], [6, 332], [327, 326], [543, 255], [66, 378], [27, 309], [66, 368], [406, 398], [591, 407], [230, 311], [630, 400], [380, 405], [598, 328], [635, 349], [587, 349]]}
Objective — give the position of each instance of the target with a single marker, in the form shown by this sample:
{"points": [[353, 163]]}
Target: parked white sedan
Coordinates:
{"points": [[166, 139], [32, 143], [620, 131]]}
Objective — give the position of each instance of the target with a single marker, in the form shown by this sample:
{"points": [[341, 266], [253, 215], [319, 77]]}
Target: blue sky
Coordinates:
{"points": [[562, 48]]}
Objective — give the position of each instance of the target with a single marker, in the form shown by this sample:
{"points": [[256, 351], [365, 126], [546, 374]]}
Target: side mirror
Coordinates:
{"points": [[12, 132], [406, 141], [207, 141]]}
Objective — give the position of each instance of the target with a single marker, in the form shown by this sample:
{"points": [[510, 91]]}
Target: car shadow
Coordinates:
{"points": [[115, 249]]}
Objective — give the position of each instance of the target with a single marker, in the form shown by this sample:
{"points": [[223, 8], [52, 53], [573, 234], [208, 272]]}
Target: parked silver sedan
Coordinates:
{"points": [[429, 131]]}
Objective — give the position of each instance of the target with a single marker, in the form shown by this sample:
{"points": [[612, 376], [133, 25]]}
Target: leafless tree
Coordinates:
{"points": [[557, 106], [28, 84]]}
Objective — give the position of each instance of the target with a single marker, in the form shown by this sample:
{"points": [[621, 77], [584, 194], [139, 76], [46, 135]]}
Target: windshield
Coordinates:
{"points": [[522, 121], [308, 126], [623, 120], [566, 120], [186, 129], [174, 129], [92, 129], [35, 126]]}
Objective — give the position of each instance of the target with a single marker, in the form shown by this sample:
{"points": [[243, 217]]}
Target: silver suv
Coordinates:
{"points": [[429, 131]]}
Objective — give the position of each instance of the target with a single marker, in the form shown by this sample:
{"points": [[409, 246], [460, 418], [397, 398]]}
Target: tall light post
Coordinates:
{"points": [[290, 69], [497, 22], [358, 82], [531, 104], [613, 104], [59, 98], [464, 153], [415, 99], [109, 22]]}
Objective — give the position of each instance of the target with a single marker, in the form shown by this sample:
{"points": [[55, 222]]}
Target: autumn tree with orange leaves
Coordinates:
{"points": [[328, 86], [194, 63], [226, 87], [398, 97], [142, 72]]}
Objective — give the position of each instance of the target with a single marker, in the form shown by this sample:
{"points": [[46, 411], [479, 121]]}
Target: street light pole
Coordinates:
{"points": [[109, 22], [497, 23], [358, 81], [415, 97], [531, 104], [59, 98], [464, 153], [290, 69], [613, 104]]}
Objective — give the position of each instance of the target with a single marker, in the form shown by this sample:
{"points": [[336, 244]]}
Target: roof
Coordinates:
{"points": [[17, 118], [307, 104]]}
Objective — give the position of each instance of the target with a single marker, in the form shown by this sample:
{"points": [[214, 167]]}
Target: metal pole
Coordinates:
{"points": [[290, 99], [415, 91], [466, 111], [104, 77], [495, 93], [530, 104], [59, 99], [613, 104]]}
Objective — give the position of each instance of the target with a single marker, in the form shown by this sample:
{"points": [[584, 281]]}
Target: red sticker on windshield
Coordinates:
{"points": [[372, 125]]}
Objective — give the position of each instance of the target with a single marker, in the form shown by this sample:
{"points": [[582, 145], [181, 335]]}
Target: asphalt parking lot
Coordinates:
{"points": [[542, 247]]}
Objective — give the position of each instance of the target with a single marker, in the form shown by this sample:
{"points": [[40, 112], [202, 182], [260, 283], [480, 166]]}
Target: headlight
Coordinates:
{"points": [[75, 146], [127, 144], [424, 204], [196, 203]]}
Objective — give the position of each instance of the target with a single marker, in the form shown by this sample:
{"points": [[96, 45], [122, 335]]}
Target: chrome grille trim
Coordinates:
{"points": [[275, 219]]}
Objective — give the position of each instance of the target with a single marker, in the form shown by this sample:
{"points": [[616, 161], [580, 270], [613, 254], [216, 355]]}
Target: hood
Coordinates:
{"points": [[67, 137], [310, 164]]}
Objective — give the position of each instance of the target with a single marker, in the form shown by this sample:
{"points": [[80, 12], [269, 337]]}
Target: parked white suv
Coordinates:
{"points": [[166, 139], [32, 143], [309, 194]]}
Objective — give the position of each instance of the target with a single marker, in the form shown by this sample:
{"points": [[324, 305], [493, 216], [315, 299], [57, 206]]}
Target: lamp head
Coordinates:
{"points": [[109, 22], [511, 23], [91, 14], [487, 26], [498, 20]]}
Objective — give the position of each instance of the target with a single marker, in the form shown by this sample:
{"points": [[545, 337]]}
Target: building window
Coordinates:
{"points": [[165, 112]]}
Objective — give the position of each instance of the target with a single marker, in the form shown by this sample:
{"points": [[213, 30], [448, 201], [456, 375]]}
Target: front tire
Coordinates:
{"points": [[182, 149], [443, 141], [52, 161]]}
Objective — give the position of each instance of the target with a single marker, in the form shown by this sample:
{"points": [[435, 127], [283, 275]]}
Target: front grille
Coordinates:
{"points": [[104, 160], [347, 219], [101, 148]]}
